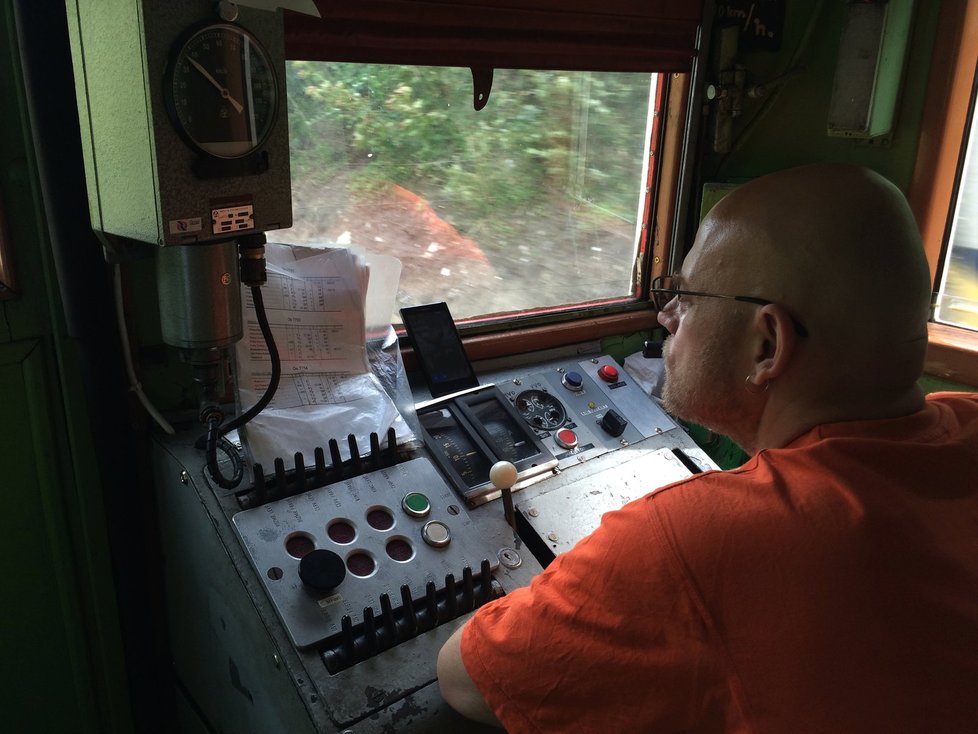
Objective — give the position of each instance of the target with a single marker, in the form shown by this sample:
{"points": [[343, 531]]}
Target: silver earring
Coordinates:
{"points": [[753, 389]]}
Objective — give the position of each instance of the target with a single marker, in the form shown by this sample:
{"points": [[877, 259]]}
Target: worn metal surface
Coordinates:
{"points": [[238, 661]]}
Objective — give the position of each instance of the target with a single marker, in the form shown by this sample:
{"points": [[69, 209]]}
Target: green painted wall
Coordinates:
{"points": [[787, 127], [60, 637]]}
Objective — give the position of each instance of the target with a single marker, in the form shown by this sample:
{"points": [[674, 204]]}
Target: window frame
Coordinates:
{"points": [[492, 335], [621, 36], [508, 337], [952, 352]]}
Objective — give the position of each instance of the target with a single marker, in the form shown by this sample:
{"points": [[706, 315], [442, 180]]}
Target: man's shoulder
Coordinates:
{"points": [[768, 489], [691, 507], [958, 402], [716, 485]]}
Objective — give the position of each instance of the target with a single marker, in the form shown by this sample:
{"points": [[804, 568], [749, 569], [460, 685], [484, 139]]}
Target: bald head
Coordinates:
{"points": [[838, 246], [834, 248]]}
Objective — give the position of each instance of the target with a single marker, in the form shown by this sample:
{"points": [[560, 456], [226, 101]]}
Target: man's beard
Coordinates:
{"points": [[704, 390]]}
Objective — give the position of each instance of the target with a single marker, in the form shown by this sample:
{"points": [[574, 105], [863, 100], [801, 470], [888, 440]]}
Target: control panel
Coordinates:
{"points": [[317, 598], [543, 422], [584, 409], [359, 566]]}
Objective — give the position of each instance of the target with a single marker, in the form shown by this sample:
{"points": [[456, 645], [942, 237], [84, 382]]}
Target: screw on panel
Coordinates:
{"points": [[533, 512], [184, 478], [228, 11], [276, 661], [552, 536]]}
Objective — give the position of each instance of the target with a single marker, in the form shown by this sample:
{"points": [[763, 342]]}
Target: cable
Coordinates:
{"points": [[252, 264], [266, 332], [215, 439], [134, 384]]}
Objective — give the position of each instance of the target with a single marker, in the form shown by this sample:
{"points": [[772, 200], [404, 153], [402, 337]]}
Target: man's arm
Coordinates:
{"points": [[457, 687]]}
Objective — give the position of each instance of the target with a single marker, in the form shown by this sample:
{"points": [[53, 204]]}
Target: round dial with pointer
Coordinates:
{"points": [[541, 409], [220, 90], [455, 444]]}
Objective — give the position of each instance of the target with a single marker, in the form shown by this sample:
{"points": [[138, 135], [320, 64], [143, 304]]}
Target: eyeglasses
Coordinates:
{"points": [[662, 292]]}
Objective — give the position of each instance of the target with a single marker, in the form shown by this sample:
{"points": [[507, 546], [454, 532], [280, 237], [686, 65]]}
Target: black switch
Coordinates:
{"points": [[322, 569], [652, 350], [613, 423]]}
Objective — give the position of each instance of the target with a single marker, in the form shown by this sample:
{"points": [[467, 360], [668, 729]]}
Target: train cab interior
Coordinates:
{"points": [[258, 377]]}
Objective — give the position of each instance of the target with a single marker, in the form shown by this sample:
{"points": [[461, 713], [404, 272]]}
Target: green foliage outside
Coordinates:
{"points": [[542, 135]]}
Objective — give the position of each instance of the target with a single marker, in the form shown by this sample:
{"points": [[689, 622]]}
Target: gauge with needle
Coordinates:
{"points": [[220, 90], [223, 90]]}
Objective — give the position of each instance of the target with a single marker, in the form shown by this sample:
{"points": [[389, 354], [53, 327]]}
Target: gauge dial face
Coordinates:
{"points": [[541, 409], [452, 441], [220, 91], [511, 443]]}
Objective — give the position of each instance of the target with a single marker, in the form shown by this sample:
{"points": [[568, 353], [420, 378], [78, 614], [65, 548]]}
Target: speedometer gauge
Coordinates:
{"points": [[469, 432], [451, 441], [511, 442], [220, 90]]}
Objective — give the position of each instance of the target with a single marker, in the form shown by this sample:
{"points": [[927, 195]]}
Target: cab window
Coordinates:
{"points": [[534, 204]]}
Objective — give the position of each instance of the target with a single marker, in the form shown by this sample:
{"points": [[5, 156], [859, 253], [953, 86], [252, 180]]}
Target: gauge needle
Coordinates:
{"points": [[224, 92]]}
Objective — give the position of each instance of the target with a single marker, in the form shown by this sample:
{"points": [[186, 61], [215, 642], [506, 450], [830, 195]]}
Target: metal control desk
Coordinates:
{"points": [[256, 649]]}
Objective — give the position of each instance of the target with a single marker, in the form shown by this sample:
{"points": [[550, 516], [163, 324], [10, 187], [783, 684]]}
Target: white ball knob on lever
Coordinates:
{"points": [[503, 477]]}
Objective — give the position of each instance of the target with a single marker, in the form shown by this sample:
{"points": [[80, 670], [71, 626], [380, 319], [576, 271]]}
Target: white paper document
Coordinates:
{"points": [[314, 301]]}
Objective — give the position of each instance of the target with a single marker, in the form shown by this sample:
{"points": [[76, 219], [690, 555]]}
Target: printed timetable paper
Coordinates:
{"points": [[314, 300]]}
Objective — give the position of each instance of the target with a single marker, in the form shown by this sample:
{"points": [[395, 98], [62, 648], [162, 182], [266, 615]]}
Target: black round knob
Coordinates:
{"points": [[322, 569]]}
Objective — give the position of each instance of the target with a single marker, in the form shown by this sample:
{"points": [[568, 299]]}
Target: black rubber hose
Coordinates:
{"points": [[215, 433]]}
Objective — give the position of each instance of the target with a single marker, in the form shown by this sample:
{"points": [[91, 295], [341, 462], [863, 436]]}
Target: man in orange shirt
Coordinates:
{"points": [[828, 585]]}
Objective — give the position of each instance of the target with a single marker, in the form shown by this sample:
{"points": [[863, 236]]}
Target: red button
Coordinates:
{"points": [[566, 438], [608, 373]]}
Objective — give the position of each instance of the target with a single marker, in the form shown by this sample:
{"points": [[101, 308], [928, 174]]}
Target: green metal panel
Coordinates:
{"points": [[114, 106], [931, 384], [48, 662], [139, 171], [60, 636], [787, 126]]}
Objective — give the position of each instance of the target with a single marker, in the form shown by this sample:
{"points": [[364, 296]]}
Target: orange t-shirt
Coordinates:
{"points": [[829, 586]]}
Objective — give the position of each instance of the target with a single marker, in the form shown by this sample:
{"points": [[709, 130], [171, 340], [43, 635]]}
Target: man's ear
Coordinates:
{"points": [[776, 340]]}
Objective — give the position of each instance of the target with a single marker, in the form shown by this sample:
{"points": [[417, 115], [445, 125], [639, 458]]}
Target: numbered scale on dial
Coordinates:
{"points": [[220, 90], [469, 432]]}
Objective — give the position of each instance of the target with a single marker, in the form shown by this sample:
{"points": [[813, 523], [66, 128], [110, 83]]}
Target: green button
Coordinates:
{"points": [[416, 504]]}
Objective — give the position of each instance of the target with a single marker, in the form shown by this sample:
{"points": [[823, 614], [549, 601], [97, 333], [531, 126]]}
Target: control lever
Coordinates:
{"points": [[503, 477]]}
